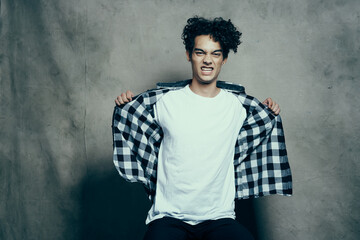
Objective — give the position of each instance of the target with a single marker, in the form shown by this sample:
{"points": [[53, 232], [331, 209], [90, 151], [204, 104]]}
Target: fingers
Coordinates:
{"points": [[119, 100], [268, 102], [124, 98], [272, 105], [129, 95], [276, 108]]}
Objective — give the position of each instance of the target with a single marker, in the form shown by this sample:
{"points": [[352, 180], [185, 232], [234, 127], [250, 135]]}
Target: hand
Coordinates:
{"points": [[272, 105], [124, 98]]}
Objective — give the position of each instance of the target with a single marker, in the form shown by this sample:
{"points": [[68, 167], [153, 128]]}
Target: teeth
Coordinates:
{"points": [[206, 69]]}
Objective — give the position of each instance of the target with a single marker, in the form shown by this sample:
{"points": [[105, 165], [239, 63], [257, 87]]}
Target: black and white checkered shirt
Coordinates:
{"points": [[260, 159]]}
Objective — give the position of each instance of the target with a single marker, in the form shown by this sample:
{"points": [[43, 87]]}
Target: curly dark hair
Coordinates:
{"points": [[220, 30]]}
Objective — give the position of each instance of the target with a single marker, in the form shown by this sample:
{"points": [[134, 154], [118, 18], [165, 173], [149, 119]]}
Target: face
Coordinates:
{"points": [[206, 59]]}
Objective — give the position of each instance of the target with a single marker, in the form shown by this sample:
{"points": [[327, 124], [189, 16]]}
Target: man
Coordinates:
{"points": [[198, 145]]}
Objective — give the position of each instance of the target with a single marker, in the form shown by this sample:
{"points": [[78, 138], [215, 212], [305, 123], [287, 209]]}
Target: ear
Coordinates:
{"points": [[188, 56], [224, 61]]}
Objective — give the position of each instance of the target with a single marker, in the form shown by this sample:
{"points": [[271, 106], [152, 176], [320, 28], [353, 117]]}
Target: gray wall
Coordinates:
{"points": [[63, 62]]}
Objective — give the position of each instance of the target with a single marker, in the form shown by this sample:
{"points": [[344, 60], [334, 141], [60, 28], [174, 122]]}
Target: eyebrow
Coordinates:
{"points": [[199, 49]]}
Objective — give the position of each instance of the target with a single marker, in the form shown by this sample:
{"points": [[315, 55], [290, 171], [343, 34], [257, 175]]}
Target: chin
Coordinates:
{"points": [[206, 81]]}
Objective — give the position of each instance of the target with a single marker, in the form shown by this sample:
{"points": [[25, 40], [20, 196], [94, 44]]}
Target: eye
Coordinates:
{"points": [[199, 53], [217, 54]]}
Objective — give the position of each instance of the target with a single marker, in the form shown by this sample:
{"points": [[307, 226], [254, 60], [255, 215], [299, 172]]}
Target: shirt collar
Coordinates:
{"points": [[220, 84]]}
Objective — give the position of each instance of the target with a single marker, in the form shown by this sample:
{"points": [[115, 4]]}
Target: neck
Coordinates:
{"points": [[204, 89]]}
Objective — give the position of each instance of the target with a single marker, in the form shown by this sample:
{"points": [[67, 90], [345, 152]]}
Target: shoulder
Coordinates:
{"points": [[231, 87], [172, 96]]}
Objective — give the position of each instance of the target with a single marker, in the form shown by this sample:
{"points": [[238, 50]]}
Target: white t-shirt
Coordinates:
{"points": [[195, 173]]}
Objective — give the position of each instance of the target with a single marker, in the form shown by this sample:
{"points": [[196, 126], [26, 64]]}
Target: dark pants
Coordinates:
{"points": [[173, 229]]}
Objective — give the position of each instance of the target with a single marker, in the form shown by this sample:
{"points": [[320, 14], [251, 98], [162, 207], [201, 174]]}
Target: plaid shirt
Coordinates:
{"points": [[260, 159]]}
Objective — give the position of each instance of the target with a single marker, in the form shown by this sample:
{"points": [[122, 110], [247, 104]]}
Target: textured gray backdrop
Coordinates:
{"points": [[63, 62]]}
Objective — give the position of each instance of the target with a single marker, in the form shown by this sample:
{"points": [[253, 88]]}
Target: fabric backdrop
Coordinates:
{"points": [[63, 62]]}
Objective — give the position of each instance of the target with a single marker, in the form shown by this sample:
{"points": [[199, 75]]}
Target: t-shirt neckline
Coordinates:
{"points": [[190, 92]]}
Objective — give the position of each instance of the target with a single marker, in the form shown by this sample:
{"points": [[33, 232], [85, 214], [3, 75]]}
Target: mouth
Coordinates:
{"points": [[206, 70]]}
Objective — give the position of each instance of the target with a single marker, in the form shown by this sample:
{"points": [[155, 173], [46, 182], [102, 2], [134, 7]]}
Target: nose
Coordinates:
{"points": [[207, 59]]}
